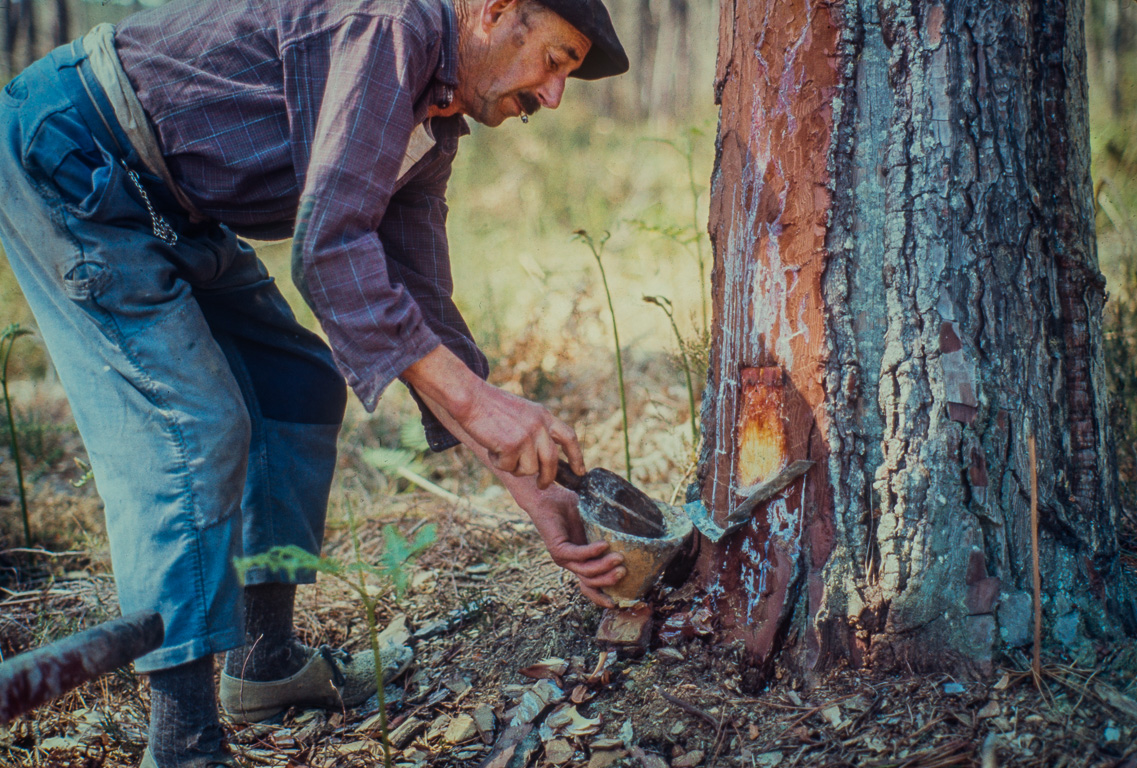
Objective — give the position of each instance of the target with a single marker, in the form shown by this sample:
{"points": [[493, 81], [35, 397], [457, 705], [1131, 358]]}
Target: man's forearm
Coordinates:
{"points": [[445, 383], [515, 435], [524, 490]]}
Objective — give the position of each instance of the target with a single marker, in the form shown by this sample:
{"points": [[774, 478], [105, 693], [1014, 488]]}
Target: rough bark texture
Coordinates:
{"points": [[905, 287]]}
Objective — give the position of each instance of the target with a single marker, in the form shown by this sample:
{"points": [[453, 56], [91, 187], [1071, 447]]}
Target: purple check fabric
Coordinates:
{"points": [[292, 117]]}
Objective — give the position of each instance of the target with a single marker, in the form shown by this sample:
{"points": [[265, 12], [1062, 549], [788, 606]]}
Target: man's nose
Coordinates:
{"points": [[551, 93]]}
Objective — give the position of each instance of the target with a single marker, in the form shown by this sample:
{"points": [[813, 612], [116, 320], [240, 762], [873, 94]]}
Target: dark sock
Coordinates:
{"points": [[184, 729], [269, 653]]}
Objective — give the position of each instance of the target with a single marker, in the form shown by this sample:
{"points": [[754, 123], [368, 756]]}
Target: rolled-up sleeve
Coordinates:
{"points": [[374, 68]]}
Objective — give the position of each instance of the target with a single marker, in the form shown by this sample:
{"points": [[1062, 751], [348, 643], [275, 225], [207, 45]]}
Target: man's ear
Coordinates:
{"points": [[494, 10]]}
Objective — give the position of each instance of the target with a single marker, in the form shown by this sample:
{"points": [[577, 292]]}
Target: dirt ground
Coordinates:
{"points": [[504, 638]]}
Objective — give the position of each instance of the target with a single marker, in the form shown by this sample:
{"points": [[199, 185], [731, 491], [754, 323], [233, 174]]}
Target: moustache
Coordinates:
{"points": [[529, 102]]}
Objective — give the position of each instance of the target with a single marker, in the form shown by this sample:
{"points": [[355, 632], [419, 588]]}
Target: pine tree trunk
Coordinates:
{"points": [[905, 288]]}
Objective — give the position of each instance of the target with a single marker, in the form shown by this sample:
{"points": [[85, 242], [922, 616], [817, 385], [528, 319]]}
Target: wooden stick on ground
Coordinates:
{"points": [[1036, 667]]}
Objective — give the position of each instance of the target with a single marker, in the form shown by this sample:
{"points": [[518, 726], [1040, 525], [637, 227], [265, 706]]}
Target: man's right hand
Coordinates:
{"points": [[519, 436]]}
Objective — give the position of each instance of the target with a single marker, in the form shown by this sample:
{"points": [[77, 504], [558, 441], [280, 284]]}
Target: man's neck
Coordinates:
{"points": [[465, 13]]}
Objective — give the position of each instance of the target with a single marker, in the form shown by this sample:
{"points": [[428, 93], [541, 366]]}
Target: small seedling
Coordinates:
{"points": [[597, 249], [398, 551], [8, 337], [665, 304], [87, 476]]}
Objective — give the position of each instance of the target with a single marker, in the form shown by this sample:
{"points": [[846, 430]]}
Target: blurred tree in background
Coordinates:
{"points": [[1110, 30]]}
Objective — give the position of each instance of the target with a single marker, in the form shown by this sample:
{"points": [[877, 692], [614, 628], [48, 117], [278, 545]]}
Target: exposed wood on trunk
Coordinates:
{"points": [[769, 215], [902, 224]]}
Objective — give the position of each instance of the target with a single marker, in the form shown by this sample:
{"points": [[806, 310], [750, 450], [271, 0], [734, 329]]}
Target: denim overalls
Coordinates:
{"points": [[210, 415]]}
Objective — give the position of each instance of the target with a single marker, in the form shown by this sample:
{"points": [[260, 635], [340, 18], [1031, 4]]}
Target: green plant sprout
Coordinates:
{"points": [[665, 304], [87, 476], [9, 336], [398, 551], [597, 249]]}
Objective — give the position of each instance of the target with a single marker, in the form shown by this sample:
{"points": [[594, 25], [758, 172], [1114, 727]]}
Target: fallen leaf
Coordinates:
{"points": [[559, 751], [457, 684], [518, 743], [768, 759], [359, 745], [602, 758], [551, 668], [569, 722], [990, 709], [1004, 682], [396, 632], [58, 742], [689, 760], [627, 734], [534, 701], [370, 724], [832, 714], [606, 743], [460, 729], [647, 759], [580, 694], [485, 720], [437, 727]]}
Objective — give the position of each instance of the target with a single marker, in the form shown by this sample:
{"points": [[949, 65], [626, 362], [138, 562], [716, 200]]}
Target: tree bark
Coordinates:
{"points": [[905, 288]]}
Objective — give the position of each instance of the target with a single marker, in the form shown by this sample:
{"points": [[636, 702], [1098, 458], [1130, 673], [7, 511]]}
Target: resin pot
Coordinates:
{"points": [[646, 532]]}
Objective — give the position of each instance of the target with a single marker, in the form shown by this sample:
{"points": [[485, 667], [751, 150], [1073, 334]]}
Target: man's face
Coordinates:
{"points": [[526, 56]]}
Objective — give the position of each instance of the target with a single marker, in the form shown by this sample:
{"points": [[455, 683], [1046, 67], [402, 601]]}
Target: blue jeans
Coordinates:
{"points": [[209, 414]]}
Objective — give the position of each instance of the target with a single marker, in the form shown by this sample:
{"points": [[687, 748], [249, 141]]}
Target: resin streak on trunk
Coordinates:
{"points": [[770, 204]]}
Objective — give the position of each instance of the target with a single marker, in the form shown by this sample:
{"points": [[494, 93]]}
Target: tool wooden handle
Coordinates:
{"points": [[568, 478]]}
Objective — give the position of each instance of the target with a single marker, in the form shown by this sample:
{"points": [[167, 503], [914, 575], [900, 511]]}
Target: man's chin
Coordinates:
{"points": [[490, 120]]}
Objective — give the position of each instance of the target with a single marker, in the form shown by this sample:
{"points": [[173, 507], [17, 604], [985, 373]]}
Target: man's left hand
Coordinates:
{"points": [[557, 520]]}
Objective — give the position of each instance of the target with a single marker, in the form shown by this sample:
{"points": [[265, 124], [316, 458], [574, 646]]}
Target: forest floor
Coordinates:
{"points": [[516, 619]]}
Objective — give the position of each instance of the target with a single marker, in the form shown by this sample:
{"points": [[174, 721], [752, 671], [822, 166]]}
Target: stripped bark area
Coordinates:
{"points": [[778, 80], [906, 287]]}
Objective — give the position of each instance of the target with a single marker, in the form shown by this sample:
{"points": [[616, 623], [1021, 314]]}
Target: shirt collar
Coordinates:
{"points": [[446, 77]]}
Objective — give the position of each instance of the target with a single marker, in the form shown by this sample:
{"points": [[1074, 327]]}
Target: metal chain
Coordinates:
{"points": [[162, 229]]}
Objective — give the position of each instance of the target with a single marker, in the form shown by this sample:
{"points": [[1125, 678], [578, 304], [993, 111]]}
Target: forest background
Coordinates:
{"points": [[630, 158]]}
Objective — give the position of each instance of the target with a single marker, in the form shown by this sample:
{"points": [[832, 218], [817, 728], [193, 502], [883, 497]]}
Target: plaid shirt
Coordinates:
{"points": [[293, 117]]}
